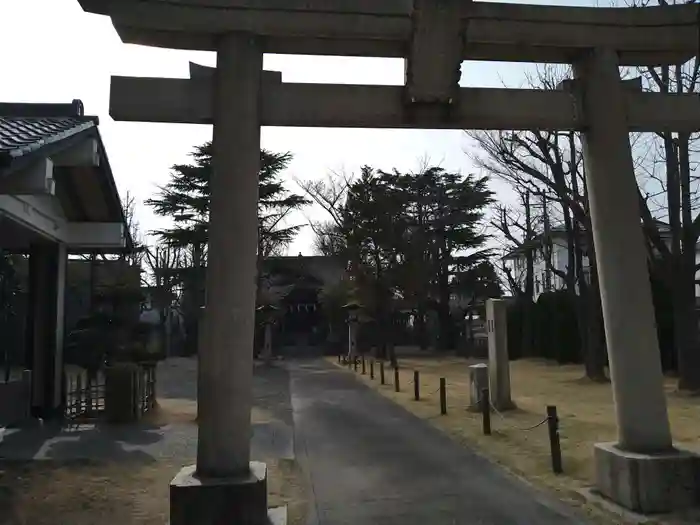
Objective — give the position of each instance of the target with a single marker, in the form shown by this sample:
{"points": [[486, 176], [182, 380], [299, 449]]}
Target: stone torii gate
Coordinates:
{"points": [[642, 470]]}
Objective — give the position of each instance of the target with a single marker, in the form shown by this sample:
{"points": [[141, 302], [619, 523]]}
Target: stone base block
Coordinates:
{"points": [[215, 501], [649, 484]]}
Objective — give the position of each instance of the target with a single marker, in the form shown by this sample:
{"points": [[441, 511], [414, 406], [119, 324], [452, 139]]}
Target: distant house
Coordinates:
{"points": [[546, 279], [57, 197]]}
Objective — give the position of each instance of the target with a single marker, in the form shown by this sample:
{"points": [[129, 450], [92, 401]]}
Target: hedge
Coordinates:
{"points": [[555, 334]]}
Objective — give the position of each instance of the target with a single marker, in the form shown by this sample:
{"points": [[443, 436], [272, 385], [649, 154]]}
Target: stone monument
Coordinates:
{"points": [[499, 363]]}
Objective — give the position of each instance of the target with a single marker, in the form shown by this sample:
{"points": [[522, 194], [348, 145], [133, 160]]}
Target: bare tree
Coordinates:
{"points": [[330, 195], [536, 162], [670, 171], [163, 268], [548, 164], [518, 227]]}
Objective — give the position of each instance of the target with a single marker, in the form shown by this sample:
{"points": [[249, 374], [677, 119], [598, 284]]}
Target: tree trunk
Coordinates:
{"points": [[420, 326], [580, 284], [529, 288], [445, 335], [583, 294], [689, 343], [672, 264], [589, 315], [380, 349], [595, 353], [196, 299], [573, 274], [470, 328]]}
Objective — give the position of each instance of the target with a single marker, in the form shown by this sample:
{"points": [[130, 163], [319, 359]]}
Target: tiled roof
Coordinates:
{"points": [[26, 128], [21, 135]]}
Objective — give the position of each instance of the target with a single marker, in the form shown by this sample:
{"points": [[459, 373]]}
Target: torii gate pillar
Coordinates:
{"points": [[642, 470], [225, 487]]}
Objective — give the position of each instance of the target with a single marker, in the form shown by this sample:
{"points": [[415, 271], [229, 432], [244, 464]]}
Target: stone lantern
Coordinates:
{"points": [[353, 311], [267, 313]]}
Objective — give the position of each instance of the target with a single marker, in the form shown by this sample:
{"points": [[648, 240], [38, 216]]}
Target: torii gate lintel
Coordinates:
{"points": [[493, 31]]}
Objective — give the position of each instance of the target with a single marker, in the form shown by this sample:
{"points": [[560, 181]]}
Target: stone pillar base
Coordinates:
{"points": [[648, 484], [213, 501]]}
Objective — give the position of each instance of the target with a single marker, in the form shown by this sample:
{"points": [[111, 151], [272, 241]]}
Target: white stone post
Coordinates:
{"points": [[630, 324], [226, 353]]}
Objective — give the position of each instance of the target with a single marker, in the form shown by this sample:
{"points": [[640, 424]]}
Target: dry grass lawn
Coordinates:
{"points": [[122, 493], [585, 410], [134, 493]]}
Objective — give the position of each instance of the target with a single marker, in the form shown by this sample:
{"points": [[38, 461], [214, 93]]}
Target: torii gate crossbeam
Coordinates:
{"points": [[179, 100], [433, 36]]}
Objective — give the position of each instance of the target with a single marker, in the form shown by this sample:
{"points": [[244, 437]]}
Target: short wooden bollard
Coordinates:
{"points": [[485, 412], [371, 369], [443, 397], [554, 443], [416, 385], [381, 373], [364, 370], [397, 385], [354, 363]]}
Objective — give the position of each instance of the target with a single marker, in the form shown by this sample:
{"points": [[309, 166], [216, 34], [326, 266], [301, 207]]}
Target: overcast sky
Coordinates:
{"points": [[54, 52]]}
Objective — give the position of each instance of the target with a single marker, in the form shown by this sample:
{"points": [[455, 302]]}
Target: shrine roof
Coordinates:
{"points": [[30, 132], [31, 129]]}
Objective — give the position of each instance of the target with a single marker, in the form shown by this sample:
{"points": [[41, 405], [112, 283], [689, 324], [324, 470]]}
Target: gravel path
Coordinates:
{"points": [[169, 434]]}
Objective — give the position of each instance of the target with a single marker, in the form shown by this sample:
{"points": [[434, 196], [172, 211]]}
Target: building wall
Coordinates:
{"points": [[545, 280]]}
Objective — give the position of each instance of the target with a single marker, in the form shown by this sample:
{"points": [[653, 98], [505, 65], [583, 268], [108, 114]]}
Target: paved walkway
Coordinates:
{"points": [[371, 462]]}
